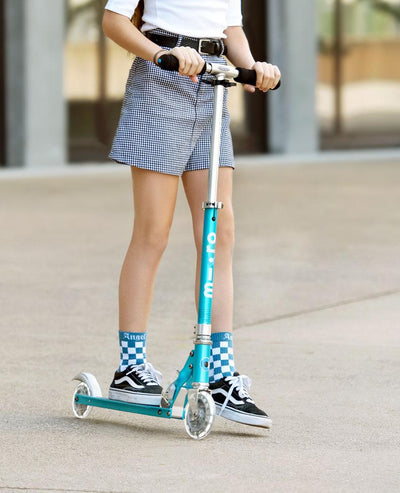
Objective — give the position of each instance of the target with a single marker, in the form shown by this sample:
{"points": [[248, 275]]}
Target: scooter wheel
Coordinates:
{"points": [[81, 411], [88, 385], [199, 418]]}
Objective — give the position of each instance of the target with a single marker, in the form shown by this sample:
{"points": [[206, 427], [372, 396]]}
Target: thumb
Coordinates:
{"points": [[249, 88]]}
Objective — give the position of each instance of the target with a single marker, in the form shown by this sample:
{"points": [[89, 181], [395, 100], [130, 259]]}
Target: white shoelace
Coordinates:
{"points": [[148, 374], [242, 384]]}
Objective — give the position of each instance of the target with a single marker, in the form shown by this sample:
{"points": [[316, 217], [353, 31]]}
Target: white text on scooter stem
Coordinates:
{"points": [[208, 286]]}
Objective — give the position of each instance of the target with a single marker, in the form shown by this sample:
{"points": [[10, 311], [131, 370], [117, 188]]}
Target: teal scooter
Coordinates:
{"points": [[198, 411]]}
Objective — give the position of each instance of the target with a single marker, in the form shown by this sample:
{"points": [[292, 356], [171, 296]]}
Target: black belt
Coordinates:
{"points": [[205, 46]]}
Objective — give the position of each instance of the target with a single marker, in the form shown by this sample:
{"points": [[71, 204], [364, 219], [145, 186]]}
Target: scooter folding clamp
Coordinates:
{"points": [[219, 82], [202, 334], [212, 205], [202, 339]]}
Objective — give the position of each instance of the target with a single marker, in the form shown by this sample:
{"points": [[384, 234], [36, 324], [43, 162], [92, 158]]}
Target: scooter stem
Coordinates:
{"points": [[215, 140], [203, 329]]}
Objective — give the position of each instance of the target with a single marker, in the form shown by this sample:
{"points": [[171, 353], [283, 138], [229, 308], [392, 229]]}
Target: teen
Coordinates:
{"points": [[164, 134]]}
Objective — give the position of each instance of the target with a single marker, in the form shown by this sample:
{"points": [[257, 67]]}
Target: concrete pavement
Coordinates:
{"points": [[317, 319]]}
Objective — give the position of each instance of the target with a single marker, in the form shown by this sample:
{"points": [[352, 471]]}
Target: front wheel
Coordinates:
{"points": [[199, 414]]}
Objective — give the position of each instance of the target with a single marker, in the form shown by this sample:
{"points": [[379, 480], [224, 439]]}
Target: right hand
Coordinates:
{"points": [[268, 76], [190, 62]]}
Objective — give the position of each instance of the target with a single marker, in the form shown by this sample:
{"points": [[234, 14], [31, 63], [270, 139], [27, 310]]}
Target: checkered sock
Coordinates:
{"points": [[221, 360], [133, 348]]}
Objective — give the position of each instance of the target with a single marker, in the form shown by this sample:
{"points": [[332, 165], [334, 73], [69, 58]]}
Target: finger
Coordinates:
{"points": [[277, 75], [262, 71], [249, 88], [195, 61], [180, 54], [199, 62], [181, 58], [185, 63], [268, 77], [259, 74], [189, 62]]}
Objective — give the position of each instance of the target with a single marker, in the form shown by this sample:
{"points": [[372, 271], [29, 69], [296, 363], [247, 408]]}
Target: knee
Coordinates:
{"points": [[152, 238], [225, 231]]}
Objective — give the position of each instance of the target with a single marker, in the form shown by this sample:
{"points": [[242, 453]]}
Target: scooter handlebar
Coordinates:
{"points": [[245, 76]]}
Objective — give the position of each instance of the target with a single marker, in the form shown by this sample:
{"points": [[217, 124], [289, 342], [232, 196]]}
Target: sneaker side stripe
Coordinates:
{"points": [[225, 394], [129, 381]]}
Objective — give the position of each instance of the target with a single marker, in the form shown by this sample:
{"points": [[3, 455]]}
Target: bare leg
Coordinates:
{"points": [[196, 186], [154, 197]]}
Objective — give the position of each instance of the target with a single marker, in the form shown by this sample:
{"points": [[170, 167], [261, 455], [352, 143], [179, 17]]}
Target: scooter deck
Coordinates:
{"points": [[161, 412]]}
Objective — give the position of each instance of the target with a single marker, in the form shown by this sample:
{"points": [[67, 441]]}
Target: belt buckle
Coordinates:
{"points": [[217, 43], [200, 49]]}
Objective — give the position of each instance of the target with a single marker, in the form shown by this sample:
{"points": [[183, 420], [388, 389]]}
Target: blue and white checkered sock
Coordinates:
{"points": [[133, 348], [221, 360]]}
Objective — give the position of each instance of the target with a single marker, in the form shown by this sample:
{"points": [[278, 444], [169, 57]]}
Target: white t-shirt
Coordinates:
{"points": [[196, 18]]}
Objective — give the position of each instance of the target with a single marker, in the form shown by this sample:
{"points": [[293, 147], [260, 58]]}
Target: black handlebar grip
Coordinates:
{"points": [[168, 62], [171, 63], [247, 76]]}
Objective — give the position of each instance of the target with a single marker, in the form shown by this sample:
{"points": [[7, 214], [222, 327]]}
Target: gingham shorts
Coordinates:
{"points": [[165, 122]]}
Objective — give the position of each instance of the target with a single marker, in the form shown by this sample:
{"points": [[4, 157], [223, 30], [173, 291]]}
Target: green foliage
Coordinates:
{"points": [[385, 7]]}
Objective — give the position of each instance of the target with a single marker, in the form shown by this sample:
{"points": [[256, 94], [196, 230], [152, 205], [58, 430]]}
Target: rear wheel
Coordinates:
{"points": [[81, 411], [88, 385]]}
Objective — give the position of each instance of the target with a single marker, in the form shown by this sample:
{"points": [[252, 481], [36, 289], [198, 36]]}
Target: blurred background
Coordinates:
{"points": [[62, 82]]}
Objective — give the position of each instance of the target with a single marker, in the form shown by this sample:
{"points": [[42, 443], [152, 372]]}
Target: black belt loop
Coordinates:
{"points": [[205, 46]]}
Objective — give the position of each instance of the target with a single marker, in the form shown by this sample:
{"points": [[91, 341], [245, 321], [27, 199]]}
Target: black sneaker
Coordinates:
{"points": [[139, 384], [232, 401]]}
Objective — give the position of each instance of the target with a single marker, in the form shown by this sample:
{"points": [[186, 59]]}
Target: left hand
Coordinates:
{"points": [[268, 76]]}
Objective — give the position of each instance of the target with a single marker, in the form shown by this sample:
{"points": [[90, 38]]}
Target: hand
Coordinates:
{"points": [[268, 77], [190, 62]]}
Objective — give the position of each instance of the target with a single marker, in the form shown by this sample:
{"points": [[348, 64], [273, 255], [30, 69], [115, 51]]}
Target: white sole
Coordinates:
{"points": [[135, 397], [244, 418]]}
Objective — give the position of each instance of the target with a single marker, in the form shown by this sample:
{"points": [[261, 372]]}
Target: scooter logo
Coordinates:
{"points": [[208, 286]]}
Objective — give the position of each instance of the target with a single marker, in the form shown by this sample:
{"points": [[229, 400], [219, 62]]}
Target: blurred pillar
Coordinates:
{"points": [[254, 21], [338, 65], [2, 90], [292, 33], [35, 112]]}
